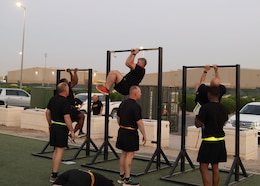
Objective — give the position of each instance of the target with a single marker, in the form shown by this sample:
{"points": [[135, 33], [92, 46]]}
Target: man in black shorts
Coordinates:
{"points": [[212, 117], [123, 83], [202, 89], [129, 118], [78, 177], [76, 115], [97, 106], [58, 118]]}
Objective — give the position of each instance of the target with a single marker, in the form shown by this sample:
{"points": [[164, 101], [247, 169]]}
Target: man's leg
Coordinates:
{"points": [[215, 177], [113, 77], [205, 174], [122, 163], [128, 163], [80, 123], [56, 158]]}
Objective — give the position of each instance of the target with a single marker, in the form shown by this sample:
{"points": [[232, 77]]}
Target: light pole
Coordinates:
{"points": [[24, 20]]}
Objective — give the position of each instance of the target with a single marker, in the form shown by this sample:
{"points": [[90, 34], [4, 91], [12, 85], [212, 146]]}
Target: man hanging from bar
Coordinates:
{"points": [[202, 88], [123, 83]]}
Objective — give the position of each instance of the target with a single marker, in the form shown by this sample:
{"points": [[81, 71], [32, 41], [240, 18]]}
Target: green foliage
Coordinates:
{"points": [[8, 85], [28, 89], [115, 96], [229, 103], [244, 101], [190, 102]]}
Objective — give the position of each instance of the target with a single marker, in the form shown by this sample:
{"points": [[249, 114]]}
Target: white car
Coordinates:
{"points": [[249, 117], [15, 97], [113, 106]]}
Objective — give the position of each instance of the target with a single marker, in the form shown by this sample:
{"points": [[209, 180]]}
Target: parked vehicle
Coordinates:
{"points": [[113, 106], [15, 97], [249, 117]]}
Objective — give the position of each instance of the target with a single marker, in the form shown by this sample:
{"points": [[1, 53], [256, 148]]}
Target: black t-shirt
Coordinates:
{"points": [[202, 93], [75, 177], [134, 77], [213, 115], [59, 106], [129, 112], [96, 107], [71, 96]]}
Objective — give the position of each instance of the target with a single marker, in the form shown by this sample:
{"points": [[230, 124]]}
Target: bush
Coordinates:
{"points": [[244, 101], [115, 96], [230, 104], [190, 102]]}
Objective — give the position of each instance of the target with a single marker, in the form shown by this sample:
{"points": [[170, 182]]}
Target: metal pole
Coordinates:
{"points": [[221, 66], [183, 125], [237, 150], [22, 55], [143, 49], [107, 110], [159, 109], [89, 111]]}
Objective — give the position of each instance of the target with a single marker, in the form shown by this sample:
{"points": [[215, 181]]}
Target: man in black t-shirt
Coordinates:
{"points": [[78, 177], [129, 118], [202, 89], [211, 118], [123, 83], [58, 117], [76, 115], [97, 106]]}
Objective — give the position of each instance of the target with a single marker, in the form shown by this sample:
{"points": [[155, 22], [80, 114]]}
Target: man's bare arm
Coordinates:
{"points": [[141, 128], [130, 60], [68, 122]]}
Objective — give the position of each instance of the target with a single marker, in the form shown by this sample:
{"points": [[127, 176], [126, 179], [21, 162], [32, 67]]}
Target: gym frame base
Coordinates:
{"points": [[97, 166], [170, 178], [44, 153]]}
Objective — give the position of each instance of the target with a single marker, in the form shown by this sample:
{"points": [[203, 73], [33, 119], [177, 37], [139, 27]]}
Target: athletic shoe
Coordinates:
{"points": [[52, 179], [102, 90], [81, 134], [130, 182], [120, 180]]}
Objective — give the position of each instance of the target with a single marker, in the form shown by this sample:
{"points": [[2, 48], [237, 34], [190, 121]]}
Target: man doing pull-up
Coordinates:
{"points": [[123, 83]]}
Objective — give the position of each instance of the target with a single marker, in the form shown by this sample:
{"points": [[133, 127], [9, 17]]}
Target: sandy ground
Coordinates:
{"points": [[251, 166]]}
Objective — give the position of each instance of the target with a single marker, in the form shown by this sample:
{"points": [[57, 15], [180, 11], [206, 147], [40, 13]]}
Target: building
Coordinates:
{"points": [[46, 76], [249, 78]]}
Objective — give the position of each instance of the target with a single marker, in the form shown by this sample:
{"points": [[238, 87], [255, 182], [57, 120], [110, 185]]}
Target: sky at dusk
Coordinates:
{"points": [[69, 34]]}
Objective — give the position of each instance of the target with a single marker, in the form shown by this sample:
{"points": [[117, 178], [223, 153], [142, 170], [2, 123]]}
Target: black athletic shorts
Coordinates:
{"points": [[59, 135], [74, 114], [127, 140], [122, 87], [212, 152]]}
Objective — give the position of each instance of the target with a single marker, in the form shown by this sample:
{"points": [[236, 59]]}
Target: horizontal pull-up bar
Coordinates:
{"points": [[73, 70], [143, 49], [219, 66]]}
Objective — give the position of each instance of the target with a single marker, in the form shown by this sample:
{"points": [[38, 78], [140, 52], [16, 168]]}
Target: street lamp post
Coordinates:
{"points": [[24, 20]]}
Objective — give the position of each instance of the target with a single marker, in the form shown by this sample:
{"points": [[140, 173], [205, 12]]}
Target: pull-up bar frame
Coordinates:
{"points": [[141, 49], [88, 139], [183, 153], [158, 152]]}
